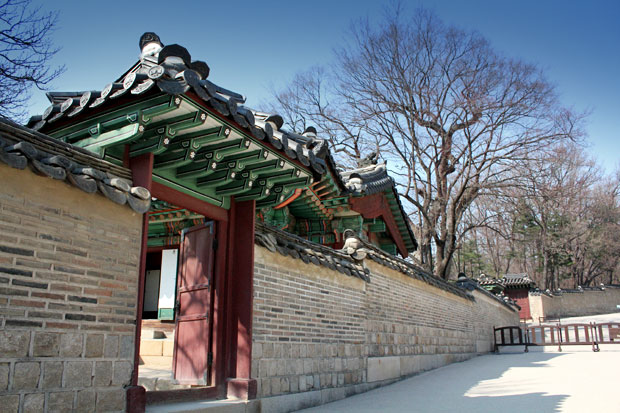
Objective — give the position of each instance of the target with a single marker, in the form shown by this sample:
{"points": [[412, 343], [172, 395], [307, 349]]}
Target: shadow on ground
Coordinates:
{"points": [[476, 385]]}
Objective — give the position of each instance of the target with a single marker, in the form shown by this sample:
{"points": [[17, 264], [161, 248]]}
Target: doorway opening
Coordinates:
{"points": [[177, 333]]}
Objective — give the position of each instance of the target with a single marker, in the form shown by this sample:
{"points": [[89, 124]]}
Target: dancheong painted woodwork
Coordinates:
{"points": [[207, 144]]}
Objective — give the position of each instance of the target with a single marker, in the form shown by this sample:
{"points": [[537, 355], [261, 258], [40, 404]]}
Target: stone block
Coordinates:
{"points": [[151, 347], [33, 403], [299, 366], [126, 347], [307, 366], [291, 402], [14, 343], [290, 367], [103, 373], [71, 344], [272, 368], [4, 376], [268, 350], [149, 384], [294, 385], [383, 368], [46, 344], [78, 374], [122, 373], [86, 401], [262, 368], [281, 367], [26, 375], [60, 402], [284, 385], [168, 348], [265, 385], [10, 402], [110, 348], [257, 351], [52, 375], [111, 400], [94, 345]]}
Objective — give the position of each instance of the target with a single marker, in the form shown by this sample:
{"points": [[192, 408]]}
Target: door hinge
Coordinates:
{"points": [[210, 358]]}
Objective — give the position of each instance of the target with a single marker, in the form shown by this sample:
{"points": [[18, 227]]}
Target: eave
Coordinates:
{"points": [[197, 151]]}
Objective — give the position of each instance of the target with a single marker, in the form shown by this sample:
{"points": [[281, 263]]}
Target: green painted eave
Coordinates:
{"points": [[196, 151]]}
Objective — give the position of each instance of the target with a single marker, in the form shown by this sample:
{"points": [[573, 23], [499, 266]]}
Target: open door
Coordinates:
{"points": [[191, 360]]}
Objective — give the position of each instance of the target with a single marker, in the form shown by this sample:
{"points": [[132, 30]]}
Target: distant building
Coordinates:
{"points": [[515, 287]]}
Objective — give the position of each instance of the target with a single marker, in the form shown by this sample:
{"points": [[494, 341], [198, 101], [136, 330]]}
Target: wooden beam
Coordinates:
{"points": [[177, 198], [142, 175], [377, 206], [241, 274]]}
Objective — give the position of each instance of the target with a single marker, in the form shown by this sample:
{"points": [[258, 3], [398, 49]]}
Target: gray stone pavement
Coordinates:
{"points": [[543, 380]]}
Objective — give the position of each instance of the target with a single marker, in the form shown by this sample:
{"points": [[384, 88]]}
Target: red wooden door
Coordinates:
{"points": [[521, 297], [193, 322]]}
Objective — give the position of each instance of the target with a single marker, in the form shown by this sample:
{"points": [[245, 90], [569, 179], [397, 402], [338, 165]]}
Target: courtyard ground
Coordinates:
{"points": [[543, 380]]}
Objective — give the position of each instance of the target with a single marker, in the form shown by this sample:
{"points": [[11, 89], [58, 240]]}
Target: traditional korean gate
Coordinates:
{"points": [[191, 360]]}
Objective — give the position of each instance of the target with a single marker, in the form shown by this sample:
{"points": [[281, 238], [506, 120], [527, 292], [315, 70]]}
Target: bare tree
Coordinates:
{"points": [[560, 223], [310, 100], [455, 117], [25, 53]]}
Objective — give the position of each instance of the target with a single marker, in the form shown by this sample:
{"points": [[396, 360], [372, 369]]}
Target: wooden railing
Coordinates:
{"points": [[558, 335]]}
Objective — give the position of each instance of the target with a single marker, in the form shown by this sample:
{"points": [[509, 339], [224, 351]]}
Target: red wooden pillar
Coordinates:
{"points": [[240, 289], [142, 174]]}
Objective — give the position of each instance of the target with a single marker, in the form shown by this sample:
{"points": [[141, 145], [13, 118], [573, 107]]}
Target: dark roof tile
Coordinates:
{"points": [[20, 147], [172, 71], [296, 247]]}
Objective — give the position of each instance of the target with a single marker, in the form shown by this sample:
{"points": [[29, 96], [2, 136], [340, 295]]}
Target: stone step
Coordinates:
{"points": [[213, 406], [160, 383], [151, 333], [156, 362], [156, 347]]}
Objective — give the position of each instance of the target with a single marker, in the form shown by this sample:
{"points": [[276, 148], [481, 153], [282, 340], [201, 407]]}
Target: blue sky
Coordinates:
{"points": [[253, 46]]}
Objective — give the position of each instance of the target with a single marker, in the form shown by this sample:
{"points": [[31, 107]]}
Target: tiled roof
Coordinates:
{"points": [[508, 280], [517, 280], [367, 180], [21, 147], [373, 179], [579, 290], [171, 69], [472, 284], [360, 249], [485, 280], [412, 271], [349, 260], [287, 244]]}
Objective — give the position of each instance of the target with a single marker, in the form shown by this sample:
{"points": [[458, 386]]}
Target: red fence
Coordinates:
{"points": [[558, 335]]}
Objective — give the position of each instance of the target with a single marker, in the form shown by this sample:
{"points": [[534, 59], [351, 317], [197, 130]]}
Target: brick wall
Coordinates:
{"points": [[308, 331], [317, 329], [68, 287], [573, 304]]}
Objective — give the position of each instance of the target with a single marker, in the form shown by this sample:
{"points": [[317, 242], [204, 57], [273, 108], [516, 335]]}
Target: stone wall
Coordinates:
{"points": [[575, 303], [315, 329], [68, 287]]}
